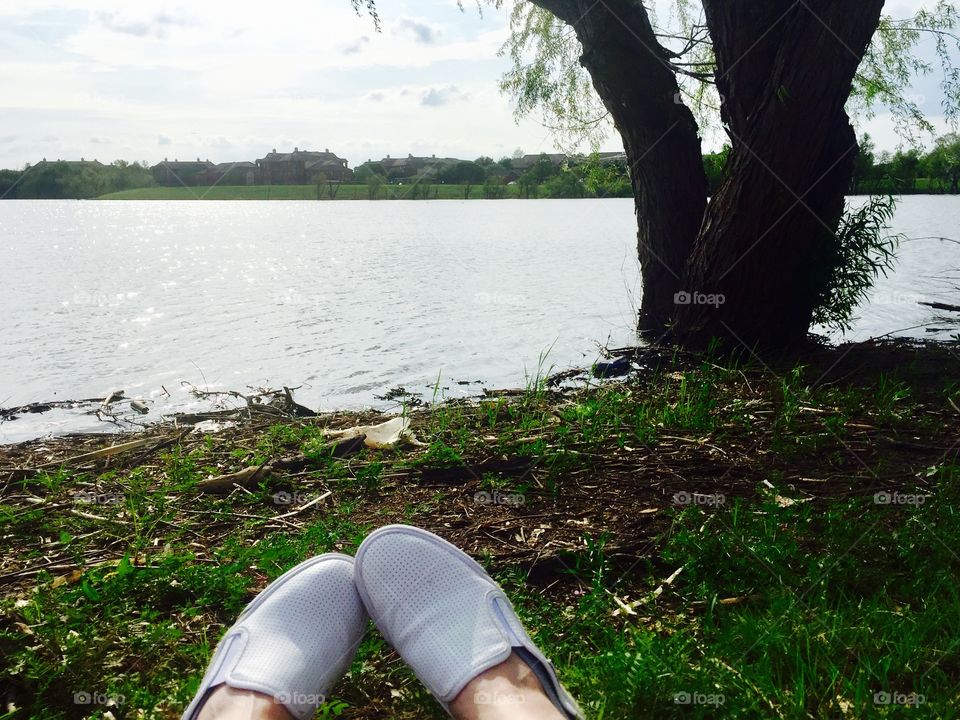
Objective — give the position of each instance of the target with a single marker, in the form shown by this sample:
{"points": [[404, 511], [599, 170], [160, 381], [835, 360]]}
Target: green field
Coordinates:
{"points": [[391, 192], [305, 192]]}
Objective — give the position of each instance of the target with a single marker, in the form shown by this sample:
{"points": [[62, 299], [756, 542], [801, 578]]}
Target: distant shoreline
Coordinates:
{"points": [[310, 192], [360, 193]]}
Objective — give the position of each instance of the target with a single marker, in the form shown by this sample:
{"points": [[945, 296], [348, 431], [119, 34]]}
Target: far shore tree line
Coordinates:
{"points": [[906, 171], [576, 177], [73, 179]]}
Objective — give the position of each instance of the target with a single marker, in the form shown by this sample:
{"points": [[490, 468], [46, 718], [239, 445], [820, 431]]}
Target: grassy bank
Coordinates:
{"points": [[307, 192], [389, 192], [893, 186], [703, 540]]}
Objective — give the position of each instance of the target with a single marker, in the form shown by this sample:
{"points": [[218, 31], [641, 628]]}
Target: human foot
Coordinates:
{"points": [[291, 644], [452, 623]]}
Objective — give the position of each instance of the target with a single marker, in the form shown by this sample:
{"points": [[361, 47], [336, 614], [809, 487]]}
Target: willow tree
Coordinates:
{"points": [[753, 263]]}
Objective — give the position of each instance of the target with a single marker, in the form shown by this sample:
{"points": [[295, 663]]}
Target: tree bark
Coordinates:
{"points": [[632, 75], [768, 243]]}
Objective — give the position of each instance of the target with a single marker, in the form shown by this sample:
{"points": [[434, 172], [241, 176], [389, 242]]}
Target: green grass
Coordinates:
{"points": [[359, 191], [785, 599]]}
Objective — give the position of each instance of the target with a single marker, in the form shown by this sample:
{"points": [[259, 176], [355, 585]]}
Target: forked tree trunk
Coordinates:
{"points": [[755, 262], [630, 72], [767, 245]]}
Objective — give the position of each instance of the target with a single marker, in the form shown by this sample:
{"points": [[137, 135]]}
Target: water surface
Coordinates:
{"points": [[347, 299]]}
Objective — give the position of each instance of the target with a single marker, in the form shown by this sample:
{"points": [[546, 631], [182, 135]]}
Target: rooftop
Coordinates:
{"points": [[298, 154]]}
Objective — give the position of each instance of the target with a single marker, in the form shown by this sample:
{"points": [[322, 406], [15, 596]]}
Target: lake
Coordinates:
{"points": [[349, 299]]}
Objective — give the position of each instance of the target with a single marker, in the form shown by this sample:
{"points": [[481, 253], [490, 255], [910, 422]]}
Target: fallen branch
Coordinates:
{"points": [[102, 452], [941, 306], [249, 476], [300, 509], [222, 484]]}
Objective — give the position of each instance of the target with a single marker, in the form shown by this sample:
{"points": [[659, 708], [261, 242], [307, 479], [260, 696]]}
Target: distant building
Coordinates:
{"points": [[302, 167], [521, 165], [174, 173], [234, 173], [412, 168], [613, 158], [81, 163]]}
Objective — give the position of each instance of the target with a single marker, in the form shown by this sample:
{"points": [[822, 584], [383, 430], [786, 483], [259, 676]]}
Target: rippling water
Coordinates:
{"points": [[347, 299]]}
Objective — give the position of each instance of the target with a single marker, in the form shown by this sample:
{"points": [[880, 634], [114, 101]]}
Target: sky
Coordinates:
{"points": [[227, 80]]}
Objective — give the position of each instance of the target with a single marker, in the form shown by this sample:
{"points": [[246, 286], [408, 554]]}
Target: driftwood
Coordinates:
{"points": [[103, 452], [251, 476], [42, 407], [276, 402], [557, 378], [942, 306], [504, 392], [449, 475], [222, 484]]}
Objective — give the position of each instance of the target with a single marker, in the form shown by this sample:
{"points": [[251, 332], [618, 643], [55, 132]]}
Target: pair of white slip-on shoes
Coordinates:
{"points": [[438, 608]]}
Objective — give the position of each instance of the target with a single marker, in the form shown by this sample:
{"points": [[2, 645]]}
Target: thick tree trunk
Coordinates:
{"points": [[630, 72], [768, 245]]}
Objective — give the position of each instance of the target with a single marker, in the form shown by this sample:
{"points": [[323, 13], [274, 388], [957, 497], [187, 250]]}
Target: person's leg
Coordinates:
{"points": [[227, 703], [456, 629], [288, 648], [508, 691]]}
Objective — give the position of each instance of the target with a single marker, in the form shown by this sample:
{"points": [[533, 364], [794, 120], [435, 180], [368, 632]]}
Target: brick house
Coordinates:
{"points": [[302, 167]]}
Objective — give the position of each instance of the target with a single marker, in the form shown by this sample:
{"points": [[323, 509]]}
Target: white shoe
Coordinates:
{"points": [[295, 640], [445, 616]]}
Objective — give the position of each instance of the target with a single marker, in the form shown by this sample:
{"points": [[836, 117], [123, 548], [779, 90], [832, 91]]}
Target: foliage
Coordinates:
{"points": [[865, 250], [374, 183], [464, 172], [891, 65], [604, 179], [546, 77], [371, 7], [715, 165], [528, 185], [363, 173], [566, 184], [72, 180], [494, 188], [943, 162], [909, 169]]}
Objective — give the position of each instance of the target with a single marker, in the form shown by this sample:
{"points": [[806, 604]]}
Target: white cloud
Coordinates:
{"points": [[422, 32], [435, 97], [158, 25], [232, 80], [882, 131], [356, 46]]}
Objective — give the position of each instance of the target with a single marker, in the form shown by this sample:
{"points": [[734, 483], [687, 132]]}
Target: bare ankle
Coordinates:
{"points": [[508, 690], [227, 703]]}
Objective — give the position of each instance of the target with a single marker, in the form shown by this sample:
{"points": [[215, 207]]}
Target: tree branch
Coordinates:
{"points": [[566, 10]]}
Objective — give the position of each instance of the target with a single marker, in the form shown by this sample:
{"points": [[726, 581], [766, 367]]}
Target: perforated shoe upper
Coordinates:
{"points": [[442, 612], [295, 640]]}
